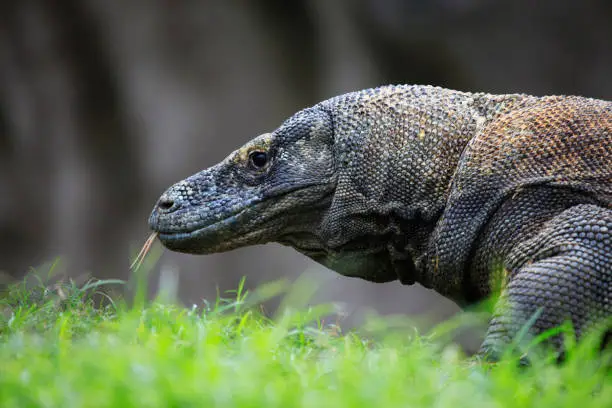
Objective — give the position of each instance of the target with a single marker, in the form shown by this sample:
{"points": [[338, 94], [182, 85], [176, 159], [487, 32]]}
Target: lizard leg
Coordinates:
{"points": [[561, 274]]}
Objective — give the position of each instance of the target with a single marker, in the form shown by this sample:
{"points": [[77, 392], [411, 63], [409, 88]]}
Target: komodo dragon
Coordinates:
{"points": [[450, 189]]}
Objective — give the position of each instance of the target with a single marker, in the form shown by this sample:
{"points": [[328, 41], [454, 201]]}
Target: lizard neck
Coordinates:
{"points": [[396, 151]]}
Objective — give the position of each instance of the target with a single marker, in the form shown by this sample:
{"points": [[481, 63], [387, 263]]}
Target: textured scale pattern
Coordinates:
{"points": [[560, 141], [453, 190], [565, 269]]}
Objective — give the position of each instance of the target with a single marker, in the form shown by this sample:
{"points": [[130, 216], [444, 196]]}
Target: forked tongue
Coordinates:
{"points": [[143, 252]]}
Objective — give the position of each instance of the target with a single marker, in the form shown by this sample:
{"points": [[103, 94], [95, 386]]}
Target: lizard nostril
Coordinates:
{"points": [[165, 204]]}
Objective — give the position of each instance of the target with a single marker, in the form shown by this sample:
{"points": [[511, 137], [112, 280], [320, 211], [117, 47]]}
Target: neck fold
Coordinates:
{"points": [[396, 152]]}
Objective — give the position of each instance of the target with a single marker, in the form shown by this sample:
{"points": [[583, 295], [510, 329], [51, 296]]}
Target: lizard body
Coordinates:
{"points": [[429, 185]]}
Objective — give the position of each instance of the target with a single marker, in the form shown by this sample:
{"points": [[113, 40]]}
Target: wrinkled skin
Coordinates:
{"points": [[428, 185], [332, 188], [238, 202], [243, 202]]}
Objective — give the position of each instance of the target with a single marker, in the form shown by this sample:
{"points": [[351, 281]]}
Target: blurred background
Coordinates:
{"points": [[105, 103]]}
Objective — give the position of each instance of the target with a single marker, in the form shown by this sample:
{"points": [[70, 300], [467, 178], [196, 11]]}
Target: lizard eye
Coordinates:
{"points": [[258, 159]]}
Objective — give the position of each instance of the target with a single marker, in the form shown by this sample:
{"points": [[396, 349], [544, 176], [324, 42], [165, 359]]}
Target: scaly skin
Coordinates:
{"points": [[427, 185]]}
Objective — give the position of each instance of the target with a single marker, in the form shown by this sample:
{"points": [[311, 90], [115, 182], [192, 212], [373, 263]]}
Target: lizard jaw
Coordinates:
{"points": [[203, 240], [243, 227]]}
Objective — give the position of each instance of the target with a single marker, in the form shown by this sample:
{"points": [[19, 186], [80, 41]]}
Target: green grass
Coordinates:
{"points": [[58, 350]]}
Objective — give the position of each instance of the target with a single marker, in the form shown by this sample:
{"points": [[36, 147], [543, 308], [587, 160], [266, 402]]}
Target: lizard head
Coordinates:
{"points": [[275, 188]]}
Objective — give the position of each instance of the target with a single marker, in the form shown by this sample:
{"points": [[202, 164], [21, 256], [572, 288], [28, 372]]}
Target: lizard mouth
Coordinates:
{"points": [[201, 239], [239, 228], [194, 233], [157, 226]]}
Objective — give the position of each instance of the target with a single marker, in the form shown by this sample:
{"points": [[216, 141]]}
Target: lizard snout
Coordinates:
{"points": [[166, 204], [180, 195]]}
